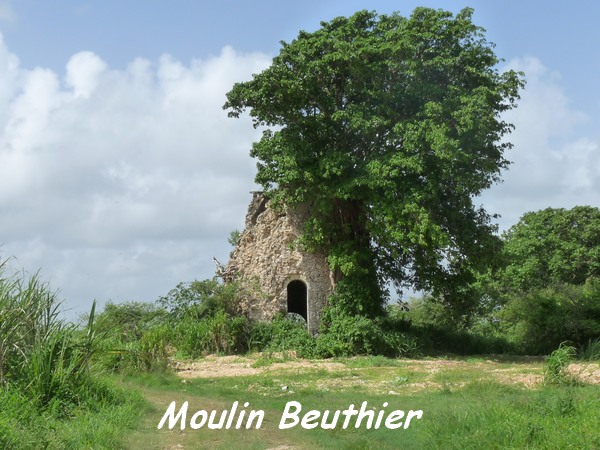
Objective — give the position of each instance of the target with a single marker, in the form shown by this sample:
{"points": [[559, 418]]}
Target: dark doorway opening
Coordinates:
{"points": [[296, 298]]}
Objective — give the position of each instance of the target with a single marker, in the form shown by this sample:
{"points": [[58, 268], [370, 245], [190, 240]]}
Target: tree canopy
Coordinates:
{"points": [[552, 246], [388, 126]]}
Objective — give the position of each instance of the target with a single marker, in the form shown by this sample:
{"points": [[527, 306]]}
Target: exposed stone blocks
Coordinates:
{"points": [[265, 261]]}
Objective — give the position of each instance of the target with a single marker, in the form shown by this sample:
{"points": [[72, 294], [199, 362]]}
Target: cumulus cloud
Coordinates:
{"points": [[121, 183], [553, 164], [83, 73]]}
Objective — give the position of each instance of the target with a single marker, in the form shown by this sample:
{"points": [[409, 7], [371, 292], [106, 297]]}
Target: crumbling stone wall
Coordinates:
{"points": [[265, 262]]}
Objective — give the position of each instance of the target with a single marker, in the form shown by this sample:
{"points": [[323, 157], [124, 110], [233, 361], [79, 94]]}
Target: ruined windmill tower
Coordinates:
{"points": [[277, 276]]}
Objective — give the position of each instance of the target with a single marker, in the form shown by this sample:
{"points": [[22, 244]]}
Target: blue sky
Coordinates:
{"points": [[120, 175]]}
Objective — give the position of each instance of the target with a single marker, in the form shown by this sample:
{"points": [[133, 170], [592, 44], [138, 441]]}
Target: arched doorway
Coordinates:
{"points": [[297, 298]]}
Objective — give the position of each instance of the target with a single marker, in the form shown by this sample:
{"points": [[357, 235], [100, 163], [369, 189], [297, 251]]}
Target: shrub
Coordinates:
{"points": [[200, 299], [132, 336], [281, 335], [220, 333], [538, 321], [350, 335], [128, 320], [346, 335], [433, 328]]}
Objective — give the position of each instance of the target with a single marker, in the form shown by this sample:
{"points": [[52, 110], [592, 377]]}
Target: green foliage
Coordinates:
{"points": [[358, 294], [538, 321], [234, 237], [388, 127], [132, 336], [351, 335], [200, 299], [427, 311], [149, 353], [556, 367], [552, 246], [591, 350], [128, 320], [341, 335], [55, 369], [193, 319], [28, 316], [436, 330], [547, 290], [532, 322], [347, 335], [47, 384], [282, 335], [39, 354], [220, 334], [204, 318]]}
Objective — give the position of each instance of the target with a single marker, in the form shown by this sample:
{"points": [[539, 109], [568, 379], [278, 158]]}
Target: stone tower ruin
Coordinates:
{"points": [[275, 274]]}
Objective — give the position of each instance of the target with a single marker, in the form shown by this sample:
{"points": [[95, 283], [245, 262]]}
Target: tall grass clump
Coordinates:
{"points": [[28, 322], [39, 353], [46, 376], [556, 367]]}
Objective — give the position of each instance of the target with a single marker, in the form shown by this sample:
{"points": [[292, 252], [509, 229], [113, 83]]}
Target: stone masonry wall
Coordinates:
{"points": [[265, 262]]}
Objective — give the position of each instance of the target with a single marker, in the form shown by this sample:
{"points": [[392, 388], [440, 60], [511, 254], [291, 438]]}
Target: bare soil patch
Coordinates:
{"points": [[586, 373], [406, 375], [234, 366]]}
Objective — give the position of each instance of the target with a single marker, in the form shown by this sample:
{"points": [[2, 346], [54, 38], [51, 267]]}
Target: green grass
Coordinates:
{"points": [[52, 396], [100, 423], [466, 410], [370, 361]]}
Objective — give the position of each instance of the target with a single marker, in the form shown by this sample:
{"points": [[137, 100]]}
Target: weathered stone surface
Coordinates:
{"points": [[265, 261]]}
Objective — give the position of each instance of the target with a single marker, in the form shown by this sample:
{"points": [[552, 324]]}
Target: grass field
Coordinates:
{"points": [[476, 403]]}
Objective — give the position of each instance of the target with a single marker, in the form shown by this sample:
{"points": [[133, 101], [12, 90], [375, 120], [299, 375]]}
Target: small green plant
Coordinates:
{"points": [[555, 370], [234, 237]]}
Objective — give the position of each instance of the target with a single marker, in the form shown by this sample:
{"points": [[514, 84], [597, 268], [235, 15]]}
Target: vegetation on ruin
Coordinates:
{"points": [[388, 126]]}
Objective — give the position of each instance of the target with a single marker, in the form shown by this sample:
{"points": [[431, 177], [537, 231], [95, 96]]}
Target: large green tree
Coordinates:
{"points": [[552, 246], [389, 127]]}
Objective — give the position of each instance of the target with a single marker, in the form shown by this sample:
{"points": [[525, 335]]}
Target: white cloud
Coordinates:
{"points": [[552, 164], [120, 184], [83, 73]]}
